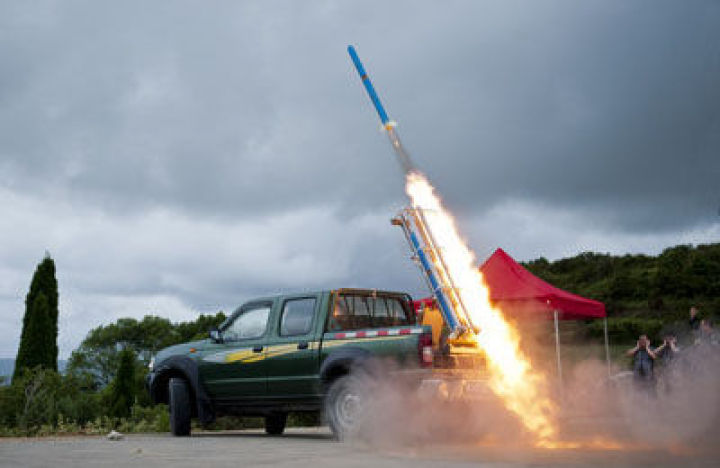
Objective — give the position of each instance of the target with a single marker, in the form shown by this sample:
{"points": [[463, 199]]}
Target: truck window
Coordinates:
{"points": [[397, 313], [354, 312], [362, 311], [297, 316], [340, 318], [390, 312], [382, 315], [250, 323]]}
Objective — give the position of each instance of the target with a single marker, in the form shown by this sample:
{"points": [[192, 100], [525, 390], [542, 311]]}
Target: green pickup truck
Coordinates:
{"points": [[292, 353]]}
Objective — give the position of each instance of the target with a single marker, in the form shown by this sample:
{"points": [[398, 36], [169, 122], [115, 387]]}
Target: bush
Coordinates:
{"points": [[122, 389], [304, 419], [42, 402], [10, 401], [149, 418], [77, 402], [227, 423], [36, 405]]}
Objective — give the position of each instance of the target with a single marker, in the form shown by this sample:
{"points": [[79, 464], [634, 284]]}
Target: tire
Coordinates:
{"points": [[179, 407], [343, 407], [275, 423]]}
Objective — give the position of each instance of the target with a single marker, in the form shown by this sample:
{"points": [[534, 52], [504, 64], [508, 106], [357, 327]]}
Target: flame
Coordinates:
{"points": [[522, 390], [597, 443]]}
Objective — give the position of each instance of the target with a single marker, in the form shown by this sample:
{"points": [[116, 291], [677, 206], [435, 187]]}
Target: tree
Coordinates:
{"points": [[98, 354], [36, 346], [198, 328], [122, 391], [38, 339]]}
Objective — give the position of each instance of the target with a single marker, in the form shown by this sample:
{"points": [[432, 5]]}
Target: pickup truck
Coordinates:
{"points": [[292, 353]]}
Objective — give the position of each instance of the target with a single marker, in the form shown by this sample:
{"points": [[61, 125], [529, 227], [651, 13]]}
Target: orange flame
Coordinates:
{"points": [[597, 443], [523, 391]]}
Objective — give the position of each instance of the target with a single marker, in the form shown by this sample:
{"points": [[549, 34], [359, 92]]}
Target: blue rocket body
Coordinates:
{"points": [[368, 86], [388, 125]]}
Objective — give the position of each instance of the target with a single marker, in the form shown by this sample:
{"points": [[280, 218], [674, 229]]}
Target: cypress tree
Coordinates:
{"points": [[37, 349], [122, 394], [40, 329]]}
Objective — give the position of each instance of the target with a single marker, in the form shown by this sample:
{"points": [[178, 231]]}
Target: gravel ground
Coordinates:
{"points": [[310, 447]]}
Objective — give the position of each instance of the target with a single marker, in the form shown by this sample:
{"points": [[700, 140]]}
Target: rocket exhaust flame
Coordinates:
{"points": [[512, 378]]}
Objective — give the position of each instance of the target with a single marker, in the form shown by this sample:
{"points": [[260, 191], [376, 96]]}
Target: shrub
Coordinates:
{"points": [[122, 389], [37, 404], [304, 419]]}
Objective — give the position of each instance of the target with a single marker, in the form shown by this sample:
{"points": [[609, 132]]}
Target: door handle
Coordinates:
{"points": [[303, 345], [258, 349]]}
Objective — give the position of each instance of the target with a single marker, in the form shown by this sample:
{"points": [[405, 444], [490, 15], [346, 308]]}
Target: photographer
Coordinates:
{"points": [[643, 364], [667, 353], [707, 335], [694, 320]]}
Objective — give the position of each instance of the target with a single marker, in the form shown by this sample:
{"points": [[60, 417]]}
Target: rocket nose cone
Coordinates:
{"points": [[353, 54]]}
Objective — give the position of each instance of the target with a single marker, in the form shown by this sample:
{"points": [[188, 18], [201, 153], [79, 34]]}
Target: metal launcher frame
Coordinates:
{"points": [[427, 255]]}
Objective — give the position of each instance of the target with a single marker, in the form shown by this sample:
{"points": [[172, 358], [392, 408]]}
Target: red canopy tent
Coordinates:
{"points": [[512, 285], [520, 293]]}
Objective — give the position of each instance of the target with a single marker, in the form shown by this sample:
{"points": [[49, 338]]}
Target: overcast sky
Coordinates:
{"points": [[178, 158]]}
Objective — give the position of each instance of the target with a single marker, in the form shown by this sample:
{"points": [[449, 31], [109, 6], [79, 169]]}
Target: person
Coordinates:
{"points": [[707, 335], [694, 320], [668, 350], [705, 355], [643, 364], [666, 353]]}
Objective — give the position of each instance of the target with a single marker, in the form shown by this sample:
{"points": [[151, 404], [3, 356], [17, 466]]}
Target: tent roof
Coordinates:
{"points": [[518, 291], [510, 283]]}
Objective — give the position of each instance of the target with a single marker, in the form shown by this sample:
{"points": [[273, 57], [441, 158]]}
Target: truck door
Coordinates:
{"points": [[235, 368], [293, 350]]}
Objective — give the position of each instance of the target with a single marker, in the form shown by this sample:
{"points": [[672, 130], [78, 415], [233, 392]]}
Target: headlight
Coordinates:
{"points": [[152, 363]]}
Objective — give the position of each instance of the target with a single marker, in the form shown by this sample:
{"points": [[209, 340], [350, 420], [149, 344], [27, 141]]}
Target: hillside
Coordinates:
{"points": [[654, 287]]}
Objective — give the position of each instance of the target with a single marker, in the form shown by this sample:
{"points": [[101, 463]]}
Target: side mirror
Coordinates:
{"points": [[216, 336]]}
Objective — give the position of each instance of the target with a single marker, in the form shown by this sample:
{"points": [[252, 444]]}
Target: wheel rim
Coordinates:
{"points": [[348, 409]]}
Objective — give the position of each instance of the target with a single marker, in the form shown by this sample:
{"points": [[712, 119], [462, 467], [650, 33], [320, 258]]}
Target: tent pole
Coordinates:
{"points": [[557, 349], [607, 345]]}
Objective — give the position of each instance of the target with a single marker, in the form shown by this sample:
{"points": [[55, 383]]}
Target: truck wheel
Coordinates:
{"points": [[343, 407], [275, 423], [179, 407]]}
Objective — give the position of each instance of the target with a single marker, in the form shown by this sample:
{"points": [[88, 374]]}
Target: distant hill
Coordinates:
{"points": [[662, 286], [7, 367]]}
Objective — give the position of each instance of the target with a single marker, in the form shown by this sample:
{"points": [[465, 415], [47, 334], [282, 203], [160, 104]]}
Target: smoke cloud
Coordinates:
{"points": [[597, 417]]}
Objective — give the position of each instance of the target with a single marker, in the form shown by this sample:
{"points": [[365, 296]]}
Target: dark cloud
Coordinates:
{"points": [[614, 108], [220, 151], [239, 108]]}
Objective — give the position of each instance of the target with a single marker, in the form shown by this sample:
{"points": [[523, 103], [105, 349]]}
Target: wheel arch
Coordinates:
{"points": [[185, 368], [342, 362]]}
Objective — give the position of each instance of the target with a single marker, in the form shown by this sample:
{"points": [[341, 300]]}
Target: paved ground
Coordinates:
{"points": [[307, 448]]}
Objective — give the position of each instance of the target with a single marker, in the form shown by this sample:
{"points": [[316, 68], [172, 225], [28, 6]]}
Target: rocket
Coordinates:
{"points": [[402, 156]]}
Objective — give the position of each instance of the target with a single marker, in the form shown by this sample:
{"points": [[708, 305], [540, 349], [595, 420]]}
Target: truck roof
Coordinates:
{"points": [[338, 290]]}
